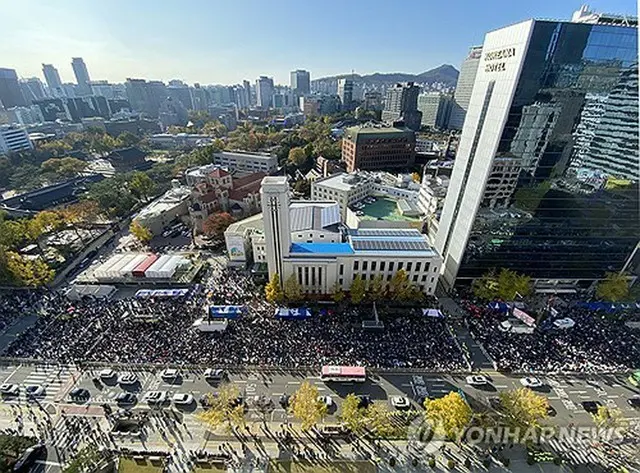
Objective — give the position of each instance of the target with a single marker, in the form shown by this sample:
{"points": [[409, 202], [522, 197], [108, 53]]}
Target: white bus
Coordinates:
{"points": [[343, 373]]}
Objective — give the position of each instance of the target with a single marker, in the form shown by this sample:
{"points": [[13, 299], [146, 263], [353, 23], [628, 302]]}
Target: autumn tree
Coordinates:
{"points": [[141, 185], [337, 294], [400, 288], [297, 156], [379, 419], [273, 291], [505, 285], [140, 232], [224, 409], [354, 416], [64, 167], [28, 272], [306, 406], [614, 287], [377, 288], [610, 418], [524, 408], [292, 289], [357, 290], [448, 415], [216, 224]]}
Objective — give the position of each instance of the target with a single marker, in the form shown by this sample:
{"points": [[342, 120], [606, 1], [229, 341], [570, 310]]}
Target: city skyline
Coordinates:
{"points": [[186, 45]]}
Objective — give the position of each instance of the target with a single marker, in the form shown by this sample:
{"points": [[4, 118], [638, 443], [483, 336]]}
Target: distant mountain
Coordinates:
{"points": [[446, 74]]}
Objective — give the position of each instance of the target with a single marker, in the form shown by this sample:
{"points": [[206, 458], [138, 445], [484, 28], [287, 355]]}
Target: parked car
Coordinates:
{"points": [[531, 382], [9, 389], [107, 373], [34, 391], [126, 399], [182, 399], [477, 380], [79, 394], [399, 402], [214, 374], [155, 397]]}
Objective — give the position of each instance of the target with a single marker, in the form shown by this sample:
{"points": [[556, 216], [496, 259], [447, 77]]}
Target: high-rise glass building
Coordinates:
{"points": [[546, 176], [10, 91], [52, 78], [464, 87], [82, 76], [300, 82]]}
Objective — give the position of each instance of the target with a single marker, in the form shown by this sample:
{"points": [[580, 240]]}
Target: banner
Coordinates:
{"points": [[522, 315]]}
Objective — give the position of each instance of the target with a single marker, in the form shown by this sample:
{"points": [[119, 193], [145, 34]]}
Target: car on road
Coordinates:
{"points": [[399, 402], [126, 399], [127, 379], [326, 400], [182, 399], [34, 391], [28, 459], [591, 406], [214, 374], [284, 401], [170, 374], [79, 394], [9, 389], [634, 402], [333, 431], [531, 382], [363, 400], [155, 397], [477, 380], [107, 373]]}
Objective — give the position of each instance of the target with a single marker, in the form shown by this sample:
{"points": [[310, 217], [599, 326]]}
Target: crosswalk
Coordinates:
{"points": [[52, 378], [579, 451]]}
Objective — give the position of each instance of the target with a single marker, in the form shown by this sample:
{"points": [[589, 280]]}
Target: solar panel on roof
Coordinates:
{"points": [[391, 245]]}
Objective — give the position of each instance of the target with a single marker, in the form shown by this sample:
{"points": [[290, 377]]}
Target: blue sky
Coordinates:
{"points": [[215, 41]]}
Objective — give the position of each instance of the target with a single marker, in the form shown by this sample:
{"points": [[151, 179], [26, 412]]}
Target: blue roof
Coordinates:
{"points": [[321, 248]]}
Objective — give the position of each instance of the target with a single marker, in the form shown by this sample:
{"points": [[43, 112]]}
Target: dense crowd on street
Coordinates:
{"points": [[598, 342], [160, 330]]}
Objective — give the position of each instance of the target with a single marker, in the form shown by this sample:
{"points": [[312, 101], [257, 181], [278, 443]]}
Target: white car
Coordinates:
{"points": [[182, 399], [326, 400], [127, 379], [531, 382], [107, 373], [477, 380], [214, 374], [399, 402], [169, 374], [155, 397], [10, 389]]}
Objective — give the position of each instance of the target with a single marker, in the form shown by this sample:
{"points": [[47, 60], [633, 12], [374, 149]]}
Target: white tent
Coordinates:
{"points": [[152, 271], [114, 271], [168, 269], [101, 271], [126, 270]]}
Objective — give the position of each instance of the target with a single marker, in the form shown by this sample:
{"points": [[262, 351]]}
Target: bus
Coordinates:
{"points": [[635, 378], [343, 373]]}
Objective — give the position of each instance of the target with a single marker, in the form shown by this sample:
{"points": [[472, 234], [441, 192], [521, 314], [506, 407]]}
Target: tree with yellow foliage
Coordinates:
{"points": [[610, 418], [448, 415], [140, 232], [272, 290], [354, 416], [306, 407], [524, 408], [225, 410]]}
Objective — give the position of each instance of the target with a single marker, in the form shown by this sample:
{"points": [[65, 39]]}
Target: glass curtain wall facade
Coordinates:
{"points": [[559, 199]]}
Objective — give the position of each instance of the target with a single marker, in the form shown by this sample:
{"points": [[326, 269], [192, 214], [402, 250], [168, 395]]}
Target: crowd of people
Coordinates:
{"points": [[597, 342], [160, 330]]}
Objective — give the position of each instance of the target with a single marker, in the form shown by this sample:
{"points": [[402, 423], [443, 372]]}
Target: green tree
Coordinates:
{"points": [[64, 167], [113, 196], [377, 288], [506, 285], [523, 408], [486, 287], [225, 410], [28, 272], [614, 287], [353, 415], [140, 232], [380, 419], [448, 416], [55, 147], [297, 156], [306, 406], [273, 291], [292, 290], [127, 139], [141, 185], [337, 294], [357, 290], [216, 224]]}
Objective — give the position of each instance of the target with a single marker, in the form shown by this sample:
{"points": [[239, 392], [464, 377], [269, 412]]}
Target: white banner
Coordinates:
{"points": [[522, 315]]}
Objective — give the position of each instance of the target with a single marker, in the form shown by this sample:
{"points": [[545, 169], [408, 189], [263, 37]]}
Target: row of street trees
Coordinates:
{"points": [[507, 285], [398, 289]]}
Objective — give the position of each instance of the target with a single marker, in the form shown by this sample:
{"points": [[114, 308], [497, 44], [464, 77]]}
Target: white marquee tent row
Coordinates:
{"points": [[122, 266]]}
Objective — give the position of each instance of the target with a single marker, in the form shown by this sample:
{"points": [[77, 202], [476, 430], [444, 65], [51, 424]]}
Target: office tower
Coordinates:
{"points": [[246, 85], [10, 91], [275, 214], [13, 139], [345, 92], [182, 93], [32, 89], [264, 92], [376, 148], [200, 97], [70, 90], [82, 76], [373, 101], [464, 86], [300, 82], [172, 112], [146, 97], [546, 176], [435, 108], [401, 104], [52, 78]]}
